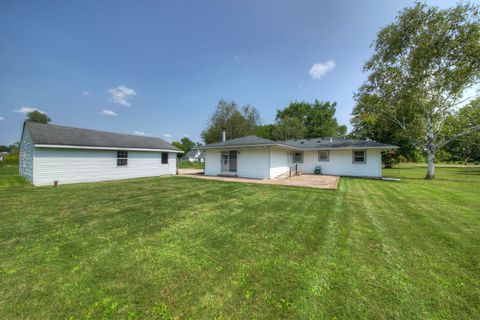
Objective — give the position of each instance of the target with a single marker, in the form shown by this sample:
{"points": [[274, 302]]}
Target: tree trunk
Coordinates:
{"points": [[431, 165], [430, 149]]}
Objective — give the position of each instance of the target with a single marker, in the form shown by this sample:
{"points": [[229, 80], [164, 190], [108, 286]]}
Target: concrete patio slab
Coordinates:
{"points": [[304, 180]]}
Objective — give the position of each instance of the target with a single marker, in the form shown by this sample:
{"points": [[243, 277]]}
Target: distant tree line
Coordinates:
{"points": [[298, 120]]}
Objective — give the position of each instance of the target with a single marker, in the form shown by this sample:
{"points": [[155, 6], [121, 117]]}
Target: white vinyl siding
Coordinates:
{"points": [[26, 155], [340, 163], [172, 164], [265, 163], [72, 165], [279, 162], [251, 162]]}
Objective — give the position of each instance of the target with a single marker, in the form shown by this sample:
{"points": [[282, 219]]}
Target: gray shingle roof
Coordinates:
{"points": [[335, 143], [243, 141], [301, 144], [60, 135]]}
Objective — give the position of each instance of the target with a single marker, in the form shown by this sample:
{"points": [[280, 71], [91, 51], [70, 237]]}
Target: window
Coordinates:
{"points": [[323, 156], [359, 156], [122, 158], [164, 157], [298, 157]]}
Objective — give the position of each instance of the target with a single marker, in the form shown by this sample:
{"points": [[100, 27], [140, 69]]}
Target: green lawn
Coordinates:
{"points": [[181, 247], [191, 165], [9, 177]]}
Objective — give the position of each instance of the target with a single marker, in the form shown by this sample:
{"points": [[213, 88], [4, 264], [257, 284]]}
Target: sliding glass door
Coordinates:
{"points": [[229, 161]]}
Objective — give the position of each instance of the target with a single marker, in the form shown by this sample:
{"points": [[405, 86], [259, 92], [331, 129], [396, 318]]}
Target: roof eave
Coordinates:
{"points": [[351, 148], [61, 146]]}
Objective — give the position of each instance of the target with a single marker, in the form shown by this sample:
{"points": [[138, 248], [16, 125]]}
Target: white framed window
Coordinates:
{"points": [[122, 158], [297, 157], [359, 156], [323, 155], [164, 157]]}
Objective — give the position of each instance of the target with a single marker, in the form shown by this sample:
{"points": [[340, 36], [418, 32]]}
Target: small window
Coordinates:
{"points": [[122, 158], [298, 157], [323, 155], [359, 156], [164, 157]]}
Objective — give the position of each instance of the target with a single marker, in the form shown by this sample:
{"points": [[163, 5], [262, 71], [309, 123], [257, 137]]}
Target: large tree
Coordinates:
{"points": [[265, 131], [421, 68], [37, 116], [238, 121], [378, 127], [289, 128], [318, 120]]}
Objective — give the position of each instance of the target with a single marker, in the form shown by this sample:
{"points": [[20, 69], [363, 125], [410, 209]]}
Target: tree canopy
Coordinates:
{"points": [[37, 116], [418, 75], [238, 121], [185, 144], [296, 121], [317, 119]]}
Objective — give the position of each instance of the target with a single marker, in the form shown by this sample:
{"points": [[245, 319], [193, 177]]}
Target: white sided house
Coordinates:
{"points": [[51, 153], [255, 157]]}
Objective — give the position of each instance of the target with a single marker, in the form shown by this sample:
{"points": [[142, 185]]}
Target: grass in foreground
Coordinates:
{"points": [[9, 177], [188, 248]]}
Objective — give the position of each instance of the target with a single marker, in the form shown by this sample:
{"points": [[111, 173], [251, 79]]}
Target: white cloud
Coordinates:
{"points": [[87, 94], [168, 135], [109, 113], [28, 110], [121, 95], [318, 70], [141, 133], [186, 135], [2, 118]]}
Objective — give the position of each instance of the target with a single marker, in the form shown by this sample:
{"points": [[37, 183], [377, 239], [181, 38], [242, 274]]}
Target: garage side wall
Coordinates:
{"points": [[72, 166], [26, 155]]}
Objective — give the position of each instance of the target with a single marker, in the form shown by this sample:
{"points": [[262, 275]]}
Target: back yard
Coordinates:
{"points": [[178, 247]]}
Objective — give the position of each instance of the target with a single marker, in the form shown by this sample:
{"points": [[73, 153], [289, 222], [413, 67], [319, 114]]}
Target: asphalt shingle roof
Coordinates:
{"points": [[335, 143], [243, 141], [61, 135], [301, 144]]}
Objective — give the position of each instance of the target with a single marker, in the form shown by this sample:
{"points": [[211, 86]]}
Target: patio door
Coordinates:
{"points": [[229, 161]]}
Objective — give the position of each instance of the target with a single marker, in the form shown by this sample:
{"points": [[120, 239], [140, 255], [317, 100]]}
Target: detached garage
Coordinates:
{"points": [[51, 153]]}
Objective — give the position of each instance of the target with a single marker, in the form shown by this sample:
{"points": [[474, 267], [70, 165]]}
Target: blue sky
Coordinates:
{"points": [[160, 67]]}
